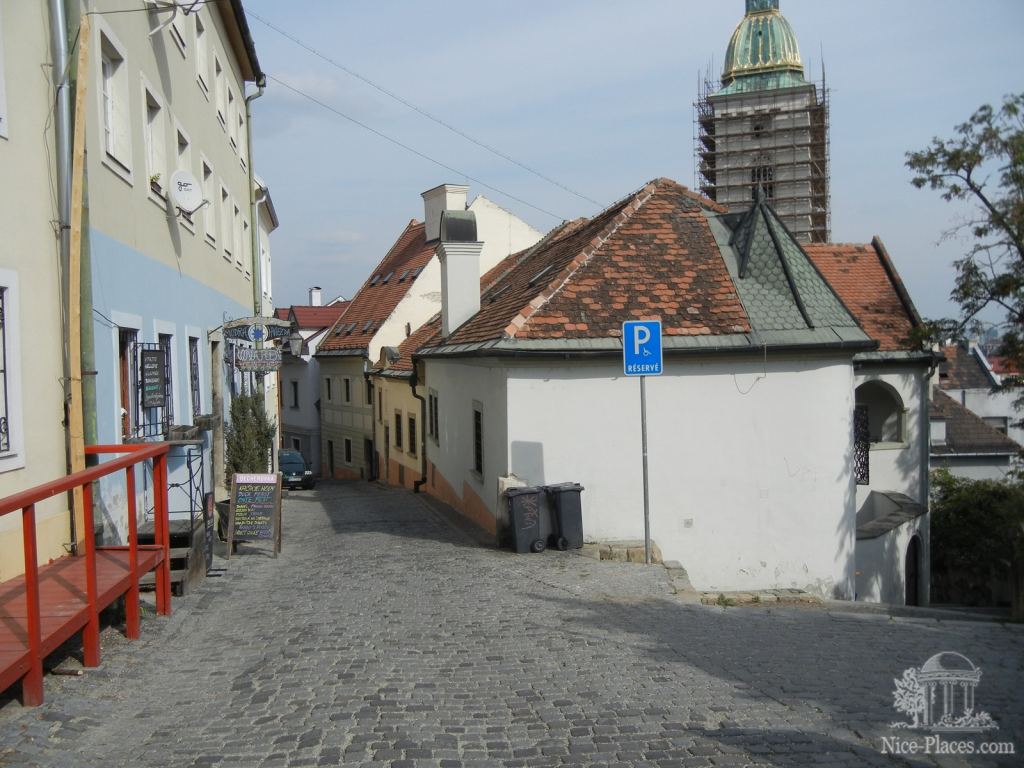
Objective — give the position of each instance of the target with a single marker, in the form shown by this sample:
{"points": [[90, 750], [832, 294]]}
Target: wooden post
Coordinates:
{"points": [[32, 683], [76, 425]]}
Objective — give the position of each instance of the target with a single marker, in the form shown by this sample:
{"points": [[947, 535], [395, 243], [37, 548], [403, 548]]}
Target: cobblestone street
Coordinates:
{"points": [[386, 636]]}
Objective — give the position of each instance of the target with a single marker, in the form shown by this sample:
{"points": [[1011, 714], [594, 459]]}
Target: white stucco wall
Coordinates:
{"points": [[750, 476], [881, 564], [458, 385], [986, 403]]}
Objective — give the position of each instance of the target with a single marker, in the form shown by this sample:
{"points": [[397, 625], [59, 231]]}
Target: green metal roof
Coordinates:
{"points": [[779, 286], [763, 52]]}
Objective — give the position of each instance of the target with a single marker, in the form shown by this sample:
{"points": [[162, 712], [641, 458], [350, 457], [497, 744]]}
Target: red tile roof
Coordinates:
{"points": [[318, 317], [281, 313], [865, 279], [651, 255], [1004, 366], [381, 292]]}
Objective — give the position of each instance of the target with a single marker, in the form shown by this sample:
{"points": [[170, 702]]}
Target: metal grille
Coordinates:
{"points": [[193, 365], [5, 436], [861, 445], [152, 420]]}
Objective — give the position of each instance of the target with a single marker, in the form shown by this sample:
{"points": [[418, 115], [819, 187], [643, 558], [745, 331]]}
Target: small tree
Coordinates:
{"points": [[250, 435], [977, 533], [909, 697], [984, 166]]}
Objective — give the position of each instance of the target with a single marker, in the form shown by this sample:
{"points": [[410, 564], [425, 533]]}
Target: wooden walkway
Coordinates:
{"points": [[63, 603], [43, 608]]}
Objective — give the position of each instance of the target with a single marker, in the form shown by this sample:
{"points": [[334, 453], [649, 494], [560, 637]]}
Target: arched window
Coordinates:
{"points": [[885, 412]]}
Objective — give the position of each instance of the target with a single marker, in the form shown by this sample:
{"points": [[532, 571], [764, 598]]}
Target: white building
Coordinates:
{"points": [[401, 294], [751, 429], [299, 407]]}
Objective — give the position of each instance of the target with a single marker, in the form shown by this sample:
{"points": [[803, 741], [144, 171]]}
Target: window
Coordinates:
{"points": [[330, 458], [153, 127], [885, 413], [225, 223], [245, 246], [348, 450], [369, 393], [762, 177], [236, 232], [412, 435], [229, 116], [861, 446], [183, 162], [210, 215], [193, 371], [241, 137], [295, 393], [478, 438], [998, 423], [398, 429], [177, 31], [432, 426], [126, 369], [220, 92], [202, 58], [3, 89], [380, 405], [937, 431], [12, 455], [347, 385], [113, 92], [329, 390]]}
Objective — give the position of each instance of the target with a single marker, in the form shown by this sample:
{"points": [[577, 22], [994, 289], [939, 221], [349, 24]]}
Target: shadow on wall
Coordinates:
{"points": [[527, 461]]}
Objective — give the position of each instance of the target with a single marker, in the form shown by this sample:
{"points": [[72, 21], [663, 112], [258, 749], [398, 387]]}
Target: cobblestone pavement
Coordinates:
{"points": [[385, 636]]}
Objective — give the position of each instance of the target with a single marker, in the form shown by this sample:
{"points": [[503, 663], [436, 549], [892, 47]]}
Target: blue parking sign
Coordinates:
{"points": [[641, 348]]}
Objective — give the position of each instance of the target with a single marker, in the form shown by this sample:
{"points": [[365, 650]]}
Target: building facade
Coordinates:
{"points": [[32, 375], [766, 128]]}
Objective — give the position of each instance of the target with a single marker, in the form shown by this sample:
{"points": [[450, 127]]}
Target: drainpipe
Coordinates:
{"points": [[62, 147], [254, 229], [413, 383]]}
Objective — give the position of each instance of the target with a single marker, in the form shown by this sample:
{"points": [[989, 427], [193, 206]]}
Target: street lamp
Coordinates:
{"points": [[295, 343]]}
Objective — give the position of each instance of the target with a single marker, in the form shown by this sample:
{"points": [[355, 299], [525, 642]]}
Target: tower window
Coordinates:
{"points": [[762, 176]]}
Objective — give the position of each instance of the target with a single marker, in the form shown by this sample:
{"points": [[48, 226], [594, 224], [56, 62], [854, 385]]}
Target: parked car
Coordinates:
{"points": [[295, 470]]}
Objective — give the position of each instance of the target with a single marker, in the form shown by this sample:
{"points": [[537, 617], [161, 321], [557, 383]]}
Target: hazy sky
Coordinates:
{"points": [[598, 96]]}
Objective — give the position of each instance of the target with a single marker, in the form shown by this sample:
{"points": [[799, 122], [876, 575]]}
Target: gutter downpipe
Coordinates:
{"points": [[413, 383], [254, 229], [62, 147]]}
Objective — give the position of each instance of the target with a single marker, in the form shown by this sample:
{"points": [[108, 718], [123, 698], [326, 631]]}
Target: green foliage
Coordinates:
{"points": [[250, 436], [983, 165], [977, 531]]}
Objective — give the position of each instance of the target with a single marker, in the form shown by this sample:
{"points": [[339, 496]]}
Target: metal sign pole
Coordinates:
{"points": [[647, 495]]}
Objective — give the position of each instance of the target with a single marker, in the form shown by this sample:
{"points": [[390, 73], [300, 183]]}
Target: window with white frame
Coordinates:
{"points": [[241, 138], [229, 115], [210, 215], [225, 223], [412, 435], [195, 387], [3, 87], [114, 104], [177, 31], [202, 57], [398, 429], [220, 92], [155, 138], [236, 232], [246, 247], [11, 430], [183, 162]]}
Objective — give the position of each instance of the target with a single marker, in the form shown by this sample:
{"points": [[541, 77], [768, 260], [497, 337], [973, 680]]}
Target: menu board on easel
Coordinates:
{"points": [[255, 511]]}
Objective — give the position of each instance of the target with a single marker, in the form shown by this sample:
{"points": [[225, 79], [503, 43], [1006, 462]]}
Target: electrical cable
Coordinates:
{"points": [[420, 110], [406, 147]]}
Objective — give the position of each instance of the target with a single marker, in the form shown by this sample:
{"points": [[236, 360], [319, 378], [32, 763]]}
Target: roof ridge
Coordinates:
{"points": [[896, 280], [584, 256]]}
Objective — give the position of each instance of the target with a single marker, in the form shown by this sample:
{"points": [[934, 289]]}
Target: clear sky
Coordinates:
{"points": [[597, 95]]}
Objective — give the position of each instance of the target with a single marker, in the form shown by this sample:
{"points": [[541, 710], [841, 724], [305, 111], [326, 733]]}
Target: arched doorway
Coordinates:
{"points": [[912, 572]]}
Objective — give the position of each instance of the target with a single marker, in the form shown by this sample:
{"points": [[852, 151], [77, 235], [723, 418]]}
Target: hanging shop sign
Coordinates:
{"points": [[257, 329], [257, 360]]}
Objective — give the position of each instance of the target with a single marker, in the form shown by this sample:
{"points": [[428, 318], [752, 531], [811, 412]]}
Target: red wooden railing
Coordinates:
{"points": [[25, 501]]}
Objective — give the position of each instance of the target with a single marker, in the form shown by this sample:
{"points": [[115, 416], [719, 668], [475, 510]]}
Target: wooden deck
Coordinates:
{"points": [[64, 604]]}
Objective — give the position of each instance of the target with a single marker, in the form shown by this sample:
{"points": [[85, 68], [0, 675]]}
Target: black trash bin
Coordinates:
{"points": [[524, 515], [567, 513]]}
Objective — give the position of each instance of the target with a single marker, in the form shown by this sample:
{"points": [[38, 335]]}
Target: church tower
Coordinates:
{"points": [[766, 127]]}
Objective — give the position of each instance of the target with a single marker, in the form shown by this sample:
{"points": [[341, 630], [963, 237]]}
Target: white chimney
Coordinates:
{"points": [[447, 197], [314, 296], [459, 255]]}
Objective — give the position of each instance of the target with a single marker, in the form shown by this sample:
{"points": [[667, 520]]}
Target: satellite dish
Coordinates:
{"points": [[185, 192]]}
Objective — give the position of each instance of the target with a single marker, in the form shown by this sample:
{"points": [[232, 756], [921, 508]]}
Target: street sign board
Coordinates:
{"points": [[258, 360], [641, 348]]}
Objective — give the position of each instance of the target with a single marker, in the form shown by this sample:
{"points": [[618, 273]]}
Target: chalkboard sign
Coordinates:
{"points": [[255, 511], [154, 383]]}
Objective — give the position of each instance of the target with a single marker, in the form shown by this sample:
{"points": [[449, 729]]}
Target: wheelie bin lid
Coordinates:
{"points": [[522, 490], [562, 487]]}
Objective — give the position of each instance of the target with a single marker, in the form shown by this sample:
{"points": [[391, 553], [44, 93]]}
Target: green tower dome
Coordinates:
{"points": [[763, 52]]}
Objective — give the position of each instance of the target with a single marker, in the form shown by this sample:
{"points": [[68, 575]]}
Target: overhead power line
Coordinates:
{"points": [[405, 102], [407, 148]]}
